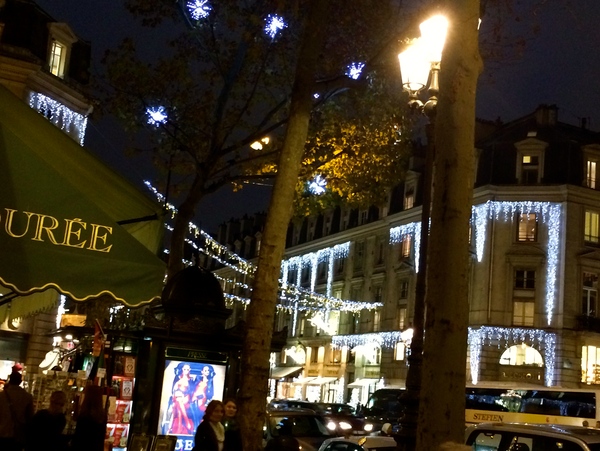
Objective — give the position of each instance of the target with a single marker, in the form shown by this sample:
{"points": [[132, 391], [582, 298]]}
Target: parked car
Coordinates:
{"points": [[531, 437], [366, 443], [307, 426]]}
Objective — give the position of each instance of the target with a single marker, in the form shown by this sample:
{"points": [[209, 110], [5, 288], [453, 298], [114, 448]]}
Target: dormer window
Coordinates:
{"points": [[530, 161], [57, 60], [60, 40], [591, 157], [530, 169]]}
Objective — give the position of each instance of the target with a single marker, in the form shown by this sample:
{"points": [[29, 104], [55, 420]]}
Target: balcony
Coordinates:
{"points": [[587, 323]]}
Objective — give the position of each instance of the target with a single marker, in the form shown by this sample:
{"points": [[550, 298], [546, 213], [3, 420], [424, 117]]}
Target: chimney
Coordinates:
{"points": [[546, 115]]}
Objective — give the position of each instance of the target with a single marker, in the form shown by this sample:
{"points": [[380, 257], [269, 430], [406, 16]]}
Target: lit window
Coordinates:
{"points": [[524, 298], [333, 322], [402, 318], [589, 305], [527, 227], [399, 351], [336, 356], [523, 312], [590, 363], [592, 227], [521, 355], [57, 60], [405, 247], [376, 320], [530, 169], [590, 174]]}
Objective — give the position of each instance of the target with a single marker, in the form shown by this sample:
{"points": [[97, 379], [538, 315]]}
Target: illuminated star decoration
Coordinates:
{"points": [[156, 116], [354, 70], [317, 186], [274, 24], [198, 9]]}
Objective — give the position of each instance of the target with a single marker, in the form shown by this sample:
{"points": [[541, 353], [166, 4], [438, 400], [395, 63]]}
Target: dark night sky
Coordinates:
{"points": [[559, 66]]}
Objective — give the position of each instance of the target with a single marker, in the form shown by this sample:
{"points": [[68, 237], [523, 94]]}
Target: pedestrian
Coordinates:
{"points": [[233, 435], [90, 429], [210, 434], [16, 411], [47, 426]]}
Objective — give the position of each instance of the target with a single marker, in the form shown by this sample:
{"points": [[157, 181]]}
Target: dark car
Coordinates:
{"points": [[307, 426], [343, 419]]}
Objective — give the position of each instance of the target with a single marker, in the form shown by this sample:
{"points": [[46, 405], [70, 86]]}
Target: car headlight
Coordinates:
{"points": [[331, 426], [368, 427], [345, 426]]}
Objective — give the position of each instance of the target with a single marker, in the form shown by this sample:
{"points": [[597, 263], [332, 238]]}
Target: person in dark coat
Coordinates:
{"points": [[46, 427], [210, 434], [233, 435], [90, 430], [16, 411]]}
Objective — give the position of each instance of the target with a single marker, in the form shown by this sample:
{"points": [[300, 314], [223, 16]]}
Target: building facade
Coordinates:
{"points": [[45, 65], [533, 295]]}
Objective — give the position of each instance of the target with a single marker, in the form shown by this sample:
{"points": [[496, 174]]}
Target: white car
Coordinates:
{"points": [[531, 437], [354, 443]]}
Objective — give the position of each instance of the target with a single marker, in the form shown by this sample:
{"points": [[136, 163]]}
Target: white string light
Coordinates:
{"points": [[549, 213], [64, 118], [507, 336]]}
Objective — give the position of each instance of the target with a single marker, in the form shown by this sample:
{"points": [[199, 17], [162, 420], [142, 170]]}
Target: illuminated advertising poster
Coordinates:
{"points": [[187, 389]]}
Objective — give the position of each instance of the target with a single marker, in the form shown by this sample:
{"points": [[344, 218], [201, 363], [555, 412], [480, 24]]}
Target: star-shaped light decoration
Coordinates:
{"points": [[198, 9], [274, 24], [156, 115], [354, 70], [317, 186]]}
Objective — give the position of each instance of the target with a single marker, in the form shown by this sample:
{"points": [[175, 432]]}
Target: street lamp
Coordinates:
{"points": [[420, 64]]}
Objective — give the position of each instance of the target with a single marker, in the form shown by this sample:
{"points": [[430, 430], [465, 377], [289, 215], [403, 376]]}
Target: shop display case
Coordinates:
{"points": [[120, 403]]}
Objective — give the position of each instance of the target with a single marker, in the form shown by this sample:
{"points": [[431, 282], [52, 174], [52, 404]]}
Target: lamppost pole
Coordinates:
{"points": [[420, 63]]}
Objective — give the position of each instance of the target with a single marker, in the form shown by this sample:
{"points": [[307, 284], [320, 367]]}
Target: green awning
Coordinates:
{"points": [[60, 209]]}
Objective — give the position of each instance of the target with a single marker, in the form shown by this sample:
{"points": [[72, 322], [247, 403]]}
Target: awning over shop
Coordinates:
{"points": [[67, 221], [284, 371], [303, 380], [322, 380], [358, 383]]}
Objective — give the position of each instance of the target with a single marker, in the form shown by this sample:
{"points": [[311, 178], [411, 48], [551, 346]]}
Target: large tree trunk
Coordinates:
{"points": [[442, 409], [261, 312]]}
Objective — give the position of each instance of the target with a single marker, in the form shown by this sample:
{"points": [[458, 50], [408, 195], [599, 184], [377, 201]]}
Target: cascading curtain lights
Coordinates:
{"points": [[549, 213]]}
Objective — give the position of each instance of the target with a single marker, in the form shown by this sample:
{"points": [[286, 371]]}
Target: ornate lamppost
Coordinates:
{"points": [[420, 66]]}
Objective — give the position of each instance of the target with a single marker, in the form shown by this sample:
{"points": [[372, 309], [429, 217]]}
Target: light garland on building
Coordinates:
{"points": [[385, 340], [486, 335], [413, 230], [549, 213], [64, 118]]}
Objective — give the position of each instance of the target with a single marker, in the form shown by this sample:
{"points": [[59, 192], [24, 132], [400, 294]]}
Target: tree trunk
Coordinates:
{"points": [[261, 311], [442, 409]]}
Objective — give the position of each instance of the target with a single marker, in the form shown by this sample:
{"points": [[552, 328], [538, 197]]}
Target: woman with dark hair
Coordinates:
{"points": [[204, 389], [233, 435], [210, 434], [91, 422]]}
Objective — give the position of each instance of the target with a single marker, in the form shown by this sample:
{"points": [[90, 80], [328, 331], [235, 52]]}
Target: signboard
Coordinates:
{"points": [[188, 387]]}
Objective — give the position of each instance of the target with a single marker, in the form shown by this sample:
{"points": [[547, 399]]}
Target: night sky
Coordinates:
{"points": [[560, 65]]}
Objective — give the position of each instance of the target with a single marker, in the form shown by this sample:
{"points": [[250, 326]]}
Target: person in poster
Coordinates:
{"points": [[204, 391], [182, 412], [188, 387]]}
